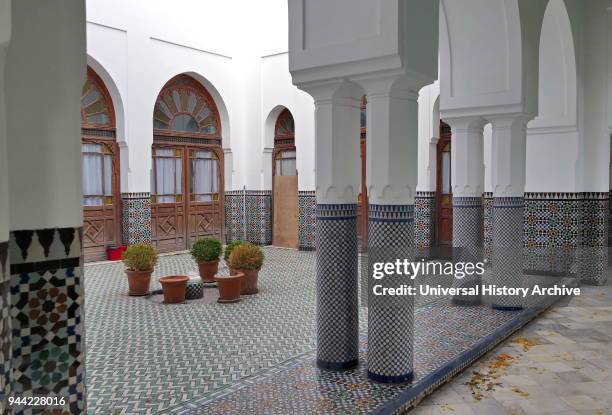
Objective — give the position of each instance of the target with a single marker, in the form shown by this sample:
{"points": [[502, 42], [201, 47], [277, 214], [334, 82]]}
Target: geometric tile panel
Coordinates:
{"points": [[248, 216], [467, 241], [136, 218], [424, 219], [594, 238], [390, 319], [337, 286], [5, 323], [307, 213], [46, 310]]}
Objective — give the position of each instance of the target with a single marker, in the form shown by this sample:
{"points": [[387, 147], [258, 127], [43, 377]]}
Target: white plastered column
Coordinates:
{"points": [[508, 148], [337, 186], [392, 120]]}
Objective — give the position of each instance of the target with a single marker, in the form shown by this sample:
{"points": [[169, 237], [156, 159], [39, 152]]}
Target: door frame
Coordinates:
{"points": [[445, 138], [186, 144]]}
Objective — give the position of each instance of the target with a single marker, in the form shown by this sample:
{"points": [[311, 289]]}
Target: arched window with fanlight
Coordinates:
{"points": [[285, 183], [187, 183], [101, 223]]}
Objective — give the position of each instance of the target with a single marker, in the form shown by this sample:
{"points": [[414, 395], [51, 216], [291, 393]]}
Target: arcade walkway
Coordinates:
{"points": [[256, 356]]}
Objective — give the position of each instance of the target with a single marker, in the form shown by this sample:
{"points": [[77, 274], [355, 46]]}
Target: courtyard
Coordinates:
{"points": [[257, 356]]}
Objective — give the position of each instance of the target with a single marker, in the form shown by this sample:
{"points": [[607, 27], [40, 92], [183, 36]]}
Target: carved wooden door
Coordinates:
{"points": [[444, 196]]}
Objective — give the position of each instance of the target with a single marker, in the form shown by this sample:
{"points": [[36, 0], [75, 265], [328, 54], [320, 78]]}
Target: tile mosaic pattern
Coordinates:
{"points": [[507, 248], [5, 323], [337, 286], [390, 319], [467, 240], [248, 216], [594, 238], [551, 231], [307, 214], [424, 220], [172, 354], [46, 310], [441, 352], [136, 218]]}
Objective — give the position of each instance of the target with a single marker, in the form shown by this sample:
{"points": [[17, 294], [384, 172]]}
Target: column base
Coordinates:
{"points": [[408, 377], [321, 364]]}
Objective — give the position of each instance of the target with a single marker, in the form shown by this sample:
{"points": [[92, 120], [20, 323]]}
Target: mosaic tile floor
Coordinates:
{"points": [[255, 356]]}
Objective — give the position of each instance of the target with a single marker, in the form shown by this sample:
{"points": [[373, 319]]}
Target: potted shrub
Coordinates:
{"points": [[247, 259], [230, 287], [206, 252], [174, 288], [139, 260], [228, 251]]}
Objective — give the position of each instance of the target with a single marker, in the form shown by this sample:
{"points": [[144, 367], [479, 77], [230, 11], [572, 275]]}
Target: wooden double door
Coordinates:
{"points": [[187, 184]]}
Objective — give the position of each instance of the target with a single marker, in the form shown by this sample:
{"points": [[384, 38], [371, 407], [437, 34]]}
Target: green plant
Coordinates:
{"points": [[206, 249], [229, 248], [140, 257], [246, 256]]}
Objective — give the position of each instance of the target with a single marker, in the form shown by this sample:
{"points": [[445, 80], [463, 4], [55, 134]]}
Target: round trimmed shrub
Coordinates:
{"points": [[206, 249], [140, 257], [246, 256]]}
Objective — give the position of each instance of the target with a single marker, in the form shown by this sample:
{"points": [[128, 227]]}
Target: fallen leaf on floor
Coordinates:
{"points": [[526, 343], [520, 392]]}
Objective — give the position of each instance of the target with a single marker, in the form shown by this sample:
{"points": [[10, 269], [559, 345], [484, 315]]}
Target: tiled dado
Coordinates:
{"points": [[136, 218], [5, 323], [567, 233], [47, 315], [594, 237], [248, 216], [424, 220], [307, 213]]}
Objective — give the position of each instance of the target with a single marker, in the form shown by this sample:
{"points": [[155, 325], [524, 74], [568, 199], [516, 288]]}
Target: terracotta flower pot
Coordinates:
{"points": [[208, 270], [174, 288], [229, 287], [138, 282], [249, 282]]}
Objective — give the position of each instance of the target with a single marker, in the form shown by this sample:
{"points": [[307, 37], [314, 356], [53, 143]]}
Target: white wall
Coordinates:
{"points": [[141, 44], [5, 35]]}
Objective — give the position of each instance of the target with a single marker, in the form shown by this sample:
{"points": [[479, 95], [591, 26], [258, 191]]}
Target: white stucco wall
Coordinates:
{"points": [[138, 46]]}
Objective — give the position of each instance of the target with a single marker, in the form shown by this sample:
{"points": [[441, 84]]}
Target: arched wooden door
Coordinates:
{"points": [[187, 167], [444, 196], [285, 183], [100, 153]]}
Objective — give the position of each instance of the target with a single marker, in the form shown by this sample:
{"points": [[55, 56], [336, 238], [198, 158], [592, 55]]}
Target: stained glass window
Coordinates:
{"points": [[285, 126], [185, 106], [96, 108]]}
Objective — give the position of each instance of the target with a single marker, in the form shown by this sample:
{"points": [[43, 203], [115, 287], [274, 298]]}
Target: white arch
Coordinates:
{"points": [[268, 134], [113, 90], [223, 118], [558, 91]]}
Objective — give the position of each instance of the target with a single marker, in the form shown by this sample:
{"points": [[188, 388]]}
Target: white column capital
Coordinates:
{"points": [[508, 149], [336, 141], [392, 140], [463, 125]]}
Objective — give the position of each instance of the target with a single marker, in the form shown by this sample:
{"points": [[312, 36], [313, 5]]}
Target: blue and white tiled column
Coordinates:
{"points": [[392, 120], [424, 222], [390, 319], [337, 183], [508, 149], [337, 286]]}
